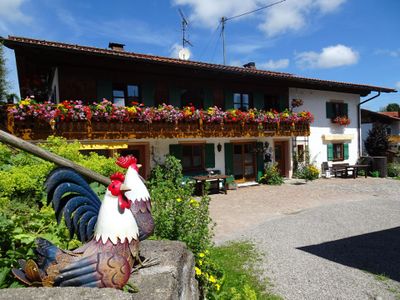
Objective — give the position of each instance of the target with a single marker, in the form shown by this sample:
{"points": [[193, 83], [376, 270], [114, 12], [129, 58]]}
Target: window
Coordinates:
{"points": [[338, 152], [193, 157], [336, 109], [192, 96], [241, 101], [271, 102], [124, 95], [300, 153]]}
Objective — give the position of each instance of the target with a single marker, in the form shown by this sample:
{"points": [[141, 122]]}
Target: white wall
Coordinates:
{"points": [[315, 102]]}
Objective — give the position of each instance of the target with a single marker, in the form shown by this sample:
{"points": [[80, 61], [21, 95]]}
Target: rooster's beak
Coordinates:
{"points": [[124, 188], [139, 166]]}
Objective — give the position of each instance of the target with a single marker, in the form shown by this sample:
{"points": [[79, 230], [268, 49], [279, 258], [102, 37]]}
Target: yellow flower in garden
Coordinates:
{"points": [[194, 202], [217, 286], [178, 200], [212, 279], [206, 252], [201, 254], [200, 262], [132, 109], [198, 271]]}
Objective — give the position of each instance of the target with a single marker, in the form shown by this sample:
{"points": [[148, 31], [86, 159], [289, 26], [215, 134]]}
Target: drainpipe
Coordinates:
{"points": [[359, 120]]}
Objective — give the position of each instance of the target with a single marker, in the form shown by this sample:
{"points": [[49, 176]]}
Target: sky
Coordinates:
{"points": [[353, 41]]}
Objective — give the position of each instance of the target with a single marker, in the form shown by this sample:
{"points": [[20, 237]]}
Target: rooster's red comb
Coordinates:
{"points": [[126, 161], [118, 176]]}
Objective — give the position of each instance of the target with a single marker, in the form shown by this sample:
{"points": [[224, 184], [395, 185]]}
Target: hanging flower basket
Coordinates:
{"points": [[341, 120]]}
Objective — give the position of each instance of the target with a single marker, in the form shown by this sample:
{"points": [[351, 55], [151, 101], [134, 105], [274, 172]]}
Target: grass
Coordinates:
{"points": [[239, 262], [394, 289]]}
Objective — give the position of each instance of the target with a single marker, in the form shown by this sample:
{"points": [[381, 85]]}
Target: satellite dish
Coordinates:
{"points": [[184, 54]]}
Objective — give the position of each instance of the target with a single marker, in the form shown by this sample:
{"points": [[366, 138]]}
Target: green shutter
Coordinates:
{"points": [[148, 93], [260, 160], [208, 98], [330, 152], [104, 90], [228, 149], [258, 100], [176, 150], [329, 110], [345, 109], [174, 96], [209, 156], [228, 99], [283, 103], [346, 151]]}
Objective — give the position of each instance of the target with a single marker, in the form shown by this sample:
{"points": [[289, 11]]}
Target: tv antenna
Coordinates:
{"points": [[225, 19], [185, 25]]}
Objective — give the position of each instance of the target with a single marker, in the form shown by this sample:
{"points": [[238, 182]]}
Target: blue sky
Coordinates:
{"points": [[345, 40]]}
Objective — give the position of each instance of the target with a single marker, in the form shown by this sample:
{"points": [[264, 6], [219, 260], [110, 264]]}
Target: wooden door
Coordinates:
{"points": [[280, 151], [244, 161]]}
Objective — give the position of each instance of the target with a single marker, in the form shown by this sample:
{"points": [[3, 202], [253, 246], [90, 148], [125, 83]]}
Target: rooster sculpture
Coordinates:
{"points": [[111, 229]]}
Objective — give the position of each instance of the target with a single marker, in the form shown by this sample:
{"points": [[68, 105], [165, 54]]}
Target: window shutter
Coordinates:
{"points": [[258, 100], [346, 151], [148, 93], [174, 96], [104, 90], [208, 98], [228, 149], [330, 152], [345, 109], [329, 110], [176, 150], [228, 95], [209, 156], [260, 160]]}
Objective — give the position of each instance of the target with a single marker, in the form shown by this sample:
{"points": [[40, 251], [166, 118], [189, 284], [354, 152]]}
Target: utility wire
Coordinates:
{"points": [[210, 41], [255, 10]]}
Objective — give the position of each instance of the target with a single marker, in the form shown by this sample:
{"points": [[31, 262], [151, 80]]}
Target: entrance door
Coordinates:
{"points": [[244, 161], [280, 156], [137, 151]]}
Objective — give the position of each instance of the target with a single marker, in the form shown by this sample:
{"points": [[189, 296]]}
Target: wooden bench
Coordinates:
{"points": [[340, 169]]}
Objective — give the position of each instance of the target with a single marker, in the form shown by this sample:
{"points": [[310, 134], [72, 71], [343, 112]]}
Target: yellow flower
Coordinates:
{"points": [[198, 271], [217, 286], [178, 200], [200, 262], [206, 252], [201, 254], [194, 202], [212, 279]]}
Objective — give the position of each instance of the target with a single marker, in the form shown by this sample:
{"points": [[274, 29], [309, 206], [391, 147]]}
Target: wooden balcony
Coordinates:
{"points": [[86, 130]]}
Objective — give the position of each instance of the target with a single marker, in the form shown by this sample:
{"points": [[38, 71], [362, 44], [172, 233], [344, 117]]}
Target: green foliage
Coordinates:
{"points": [[239, 262], [24, 214], [3, 73], [392, 107], [393, 170], [375, 174], [271, 175], [179, 216], [377, 142], [308, 172]]}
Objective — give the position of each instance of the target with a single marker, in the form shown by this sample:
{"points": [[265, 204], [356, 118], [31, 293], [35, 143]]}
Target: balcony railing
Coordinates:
{"points": [[104, 121]]}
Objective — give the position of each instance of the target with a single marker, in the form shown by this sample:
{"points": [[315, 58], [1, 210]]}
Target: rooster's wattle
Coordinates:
{"points": [[111, 229]]}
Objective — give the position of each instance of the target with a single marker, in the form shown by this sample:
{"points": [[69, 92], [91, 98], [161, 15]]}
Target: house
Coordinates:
{"points": [[391, 119], [59, 71]]}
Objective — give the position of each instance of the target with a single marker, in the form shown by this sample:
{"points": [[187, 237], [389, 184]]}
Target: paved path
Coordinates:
{"points": [[324, 240]]}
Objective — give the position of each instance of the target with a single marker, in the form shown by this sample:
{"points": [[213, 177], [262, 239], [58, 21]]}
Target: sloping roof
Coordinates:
{"points": [[384, 116], [13, 42], [393, 114]]}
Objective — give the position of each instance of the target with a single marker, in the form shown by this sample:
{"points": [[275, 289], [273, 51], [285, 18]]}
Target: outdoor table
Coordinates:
{"points": [[355, 169], [201, 181]]}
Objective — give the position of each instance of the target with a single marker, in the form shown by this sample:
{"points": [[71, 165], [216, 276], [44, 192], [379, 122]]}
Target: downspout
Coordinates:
{"points": [[359, 120]]}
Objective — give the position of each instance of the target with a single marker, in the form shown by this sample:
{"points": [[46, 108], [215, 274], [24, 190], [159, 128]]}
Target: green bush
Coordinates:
{"points": [[179, 216], [271, 176], [308, 172], [24, 215], [375, 174], [393, 170]]}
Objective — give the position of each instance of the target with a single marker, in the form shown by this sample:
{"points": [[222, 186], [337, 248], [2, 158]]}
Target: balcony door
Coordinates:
{"points": [[244, 162], [281, 150]]}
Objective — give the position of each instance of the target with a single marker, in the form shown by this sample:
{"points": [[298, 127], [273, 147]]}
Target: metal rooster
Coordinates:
{"points": [[112, 229]]}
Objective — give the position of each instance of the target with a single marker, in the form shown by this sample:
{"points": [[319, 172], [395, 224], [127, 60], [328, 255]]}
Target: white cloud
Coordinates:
{"points": [[398, 85], [329, 57], [10, 11], [275, 64], [286, 16]]}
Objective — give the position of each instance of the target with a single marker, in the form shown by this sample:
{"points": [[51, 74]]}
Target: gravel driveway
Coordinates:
{"points": [[327, 239]]}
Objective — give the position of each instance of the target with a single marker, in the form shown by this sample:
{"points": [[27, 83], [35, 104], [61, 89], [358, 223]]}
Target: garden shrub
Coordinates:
{"points": [[179, 216], [308, 172], [271, 175], [375, 174], [393, 170]]}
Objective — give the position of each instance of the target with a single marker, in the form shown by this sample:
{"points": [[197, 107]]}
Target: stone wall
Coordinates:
{"points": [[173, 278]]}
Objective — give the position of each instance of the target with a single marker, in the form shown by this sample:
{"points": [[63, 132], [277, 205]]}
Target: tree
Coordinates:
{"points": [[393, 107], [3, 71], [377, 142]]}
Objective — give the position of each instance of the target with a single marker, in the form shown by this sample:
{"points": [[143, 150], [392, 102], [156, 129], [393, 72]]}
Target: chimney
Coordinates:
{"points": [[116, 46], [250, 65]]}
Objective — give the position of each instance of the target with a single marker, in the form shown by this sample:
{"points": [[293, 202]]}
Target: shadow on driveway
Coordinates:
{"points": [[375, 252]]}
